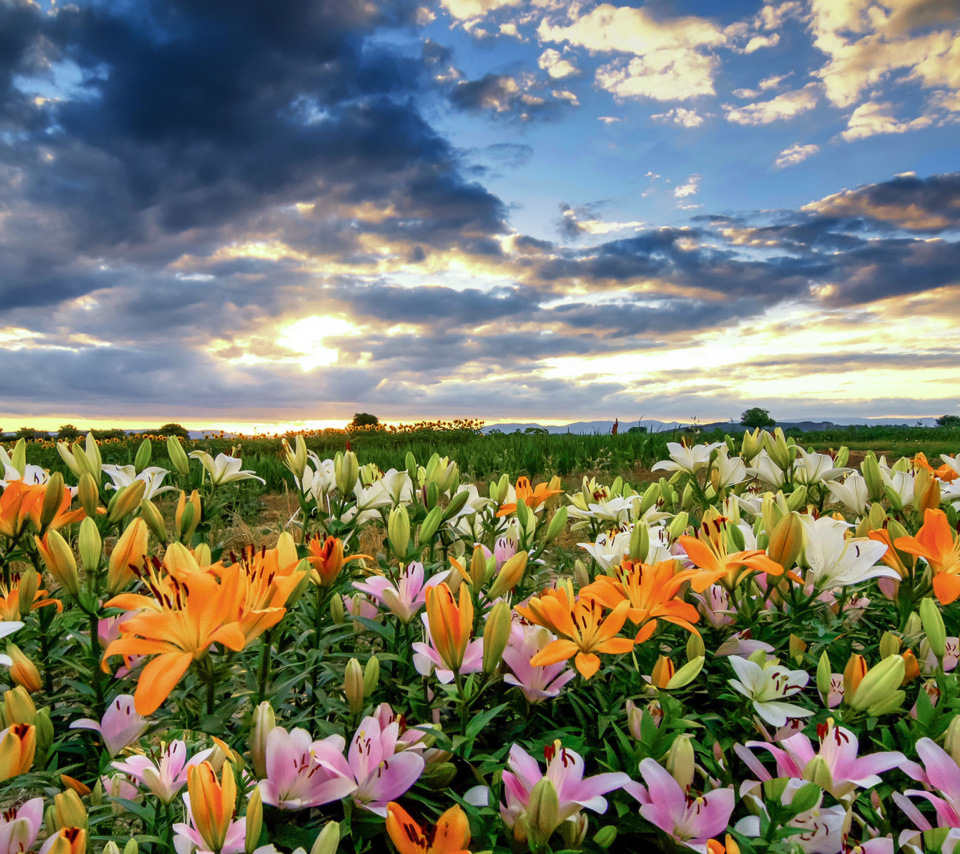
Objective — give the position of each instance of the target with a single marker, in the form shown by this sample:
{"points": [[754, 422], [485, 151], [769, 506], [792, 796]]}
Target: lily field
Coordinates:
{"points": [[444, 643]]}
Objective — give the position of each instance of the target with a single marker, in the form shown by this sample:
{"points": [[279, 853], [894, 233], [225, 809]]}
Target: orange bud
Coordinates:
{"points": [[23, 671], [450, 625], [212, 802], [130, 551], [663, 672], [18, 745], [911, 667], [326, 560], [853, 674]]}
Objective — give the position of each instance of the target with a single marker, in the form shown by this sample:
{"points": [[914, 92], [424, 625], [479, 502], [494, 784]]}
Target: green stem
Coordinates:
{"points": [[265, 655], [95, 673]]}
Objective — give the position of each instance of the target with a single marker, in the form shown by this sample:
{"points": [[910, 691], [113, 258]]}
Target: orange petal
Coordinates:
{"points": [[587, 663], [158, 679]]}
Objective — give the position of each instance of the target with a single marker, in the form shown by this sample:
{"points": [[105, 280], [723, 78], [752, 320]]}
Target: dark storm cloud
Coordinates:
{"points": [[196, 117], [506, 97]]}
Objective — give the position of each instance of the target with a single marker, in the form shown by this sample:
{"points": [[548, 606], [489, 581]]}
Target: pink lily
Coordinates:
{"points": [[939, 771], [839, 770], [565, 770], [119, 727], [296, 778], [536, 683], [168, 775], [821, 828], [407, 596], [188, 841], [378, 772], [689, 820], [19, 827], [410, 738]]}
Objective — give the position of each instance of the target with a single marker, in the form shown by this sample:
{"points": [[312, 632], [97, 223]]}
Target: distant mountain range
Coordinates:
{"points": [[654, 426]]}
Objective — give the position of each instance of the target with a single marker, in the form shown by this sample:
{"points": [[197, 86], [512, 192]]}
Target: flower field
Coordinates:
{"points": [[756, 652]]}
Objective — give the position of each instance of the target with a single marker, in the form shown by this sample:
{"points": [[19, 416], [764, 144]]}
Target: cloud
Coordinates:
{"points": [[783, 107], [680, 116], [908, 202], [758, 42], [520, 98], [662, 57], [796, 153], [873, 118], [555, 65], [472, 9], [511, 154], [576, 222], [866, 42], [691, 188]]}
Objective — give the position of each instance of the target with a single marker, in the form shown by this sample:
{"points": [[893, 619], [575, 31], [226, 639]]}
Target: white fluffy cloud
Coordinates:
{"points": [[784, 106], [691, 188], [680, 116], [872, 118], [666, 59], [555, 65], [796, 153]]}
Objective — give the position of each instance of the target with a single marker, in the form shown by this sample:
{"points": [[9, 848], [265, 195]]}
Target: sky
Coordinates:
{"points": [[231, 212]]}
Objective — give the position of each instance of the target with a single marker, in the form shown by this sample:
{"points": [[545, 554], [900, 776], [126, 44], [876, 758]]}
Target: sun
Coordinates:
{"points": [[308, 335]]}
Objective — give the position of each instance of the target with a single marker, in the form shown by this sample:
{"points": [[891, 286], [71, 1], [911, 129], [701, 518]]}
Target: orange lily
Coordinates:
{"points": [[16, 505], [651, 592], [451, 625], [944, 472], [708, 550], [890, 556], [271, 574], [451, 835], [326, 560], [584, 630], [68, 840], [178, 624], [23, 595], [938, 545], [212, 802], [528, 495]]}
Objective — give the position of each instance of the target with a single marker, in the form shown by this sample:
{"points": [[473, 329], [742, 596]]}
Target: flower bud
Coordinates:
{"points": [[398, 530], [853, 674], [23, 671], [877, 692], [88, 494], [639, 542], [90, 545], [934, 628], [681, 761], [824, 674], [605, 836], [58, 558], [328, 840], [786, 541], [457, 503], [438, 775], [556, 526], [889, 645], [663, 672], [580, 573], [651, 495], [128, 556], [126, 500], [496, 635], [111, 847], [154, 519], [543, 811], [911, 667], [53, 498], [509, 576], [131, 847], [178, 456], [346, 472], [337, 613], [353, 686], [870, 469], [254, 821], [264, 720], [686, 674], [67, 840], [695, 647], [678, 525], [951, 742], [68, 810], [144, 452], [18, 707], [27, 591], [926, 492], [818, 771], [371, 676], [430, 525], [45, 735]]}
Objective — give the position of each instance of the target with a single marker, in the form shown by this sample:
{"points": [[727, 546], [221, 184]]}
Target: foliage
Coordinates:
{"points": [[68, 432], [364, 419], [756, 417], [173, 429], [948, 421]]}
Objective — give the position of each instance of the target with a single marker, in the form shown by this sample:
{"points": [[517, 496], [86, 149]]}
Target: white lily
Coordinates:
{"points": [[730, 471], [123, 476], [476, 503], [899, 487], [952, 462], [319, 481], [690, 460], [835, 560], [767, 470], [608, 549], [224, 469], [617, 510], [32, 476], [852, 493], [766, 685], [815, 468]]}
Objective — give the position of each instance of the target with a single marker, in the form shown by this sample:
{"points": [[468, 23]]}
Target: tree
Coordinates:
{"points": [[948, 421], [364, 419], [68, 431], [756, 417], [174, 430]]}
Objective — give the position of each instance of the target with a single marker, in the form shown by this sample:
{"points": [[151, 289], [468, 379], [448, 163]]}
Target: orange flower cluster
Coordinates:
{"points": [[191, 608]]}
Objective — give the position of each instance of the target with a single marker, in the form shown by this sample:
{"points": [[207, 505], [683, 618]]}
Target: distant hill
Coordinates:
{"points": [[654, 426]]}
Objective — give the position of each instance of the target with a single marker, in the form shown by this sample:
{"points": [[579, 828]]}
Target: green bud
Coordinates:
{"points": [[879, 687], [605, 836], [328, 841], [687, 501], [936, 632], [371, 676], [681, 761], [142, 459], [678, 525], [456, 505], [398, 530], [695, 647], [651, 495], [870, 469], [430, 525], [126, 500], [686, 674], [797, 499], [639, 542], [889, 645], [178, 456], [18, 458], [951, 741], [53, 497], [806, 798], [88, 493], [154, 519], [346, 473], [254, 821], [523, 513], [496, 634], [818, 771], [353, 686], [557, 524], [824, 674], [337, 613], [543, 811], [131, 847], [410, 464]]}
